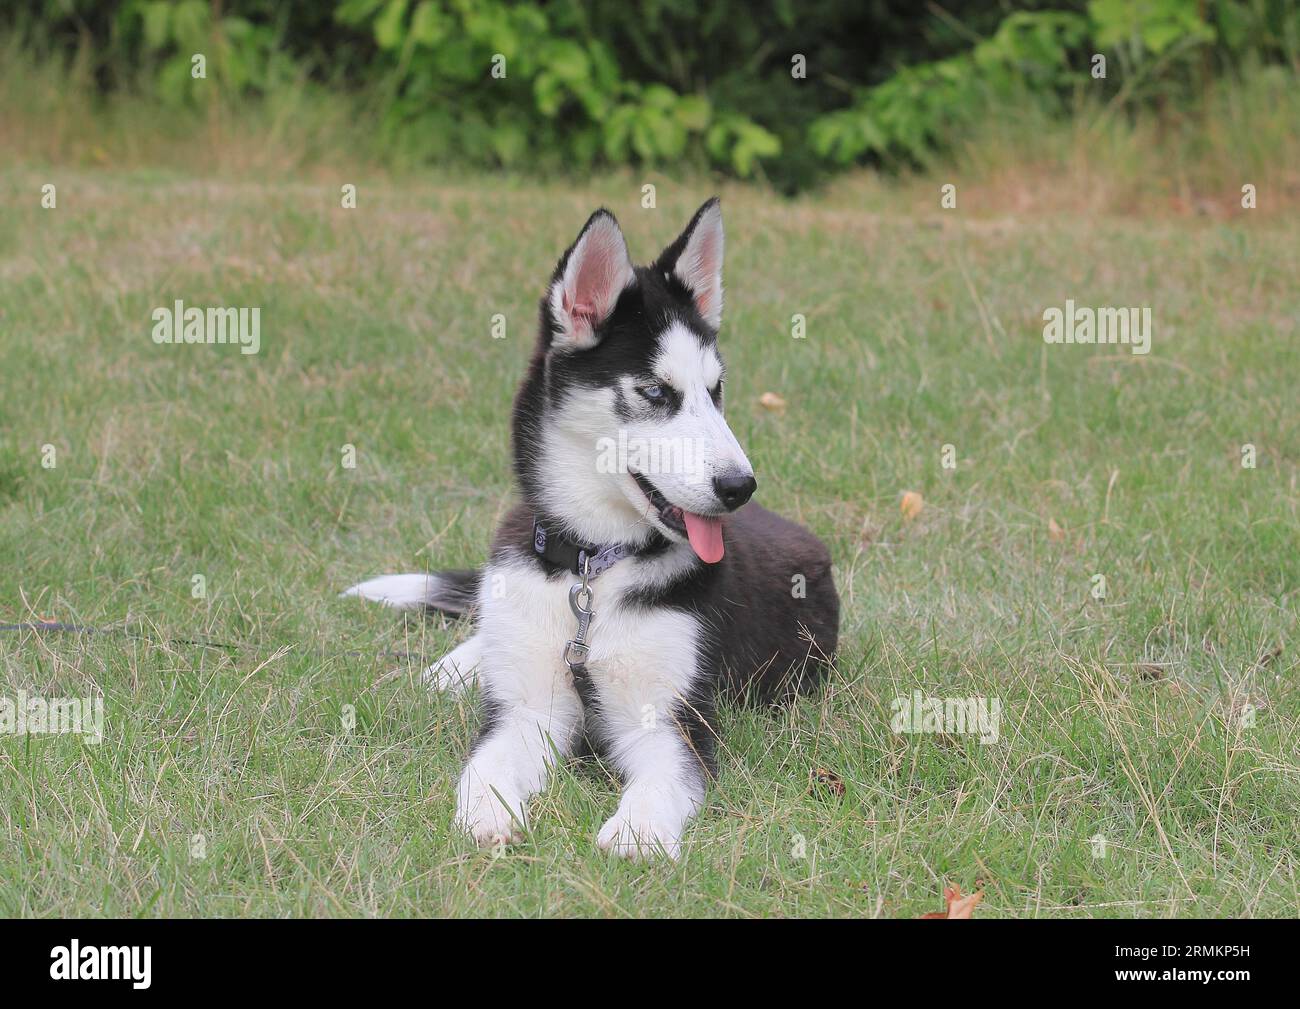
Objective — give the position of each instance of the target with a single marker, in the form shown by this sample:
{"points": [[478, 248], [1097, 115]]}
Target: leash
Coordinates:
{"points": [[58, 627], [587, 562], [576, 649], [126, 631]]}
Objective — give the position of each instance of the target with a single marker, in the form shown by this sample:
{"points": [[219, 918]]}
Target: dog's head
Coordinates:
{"points": [[619, 427]]}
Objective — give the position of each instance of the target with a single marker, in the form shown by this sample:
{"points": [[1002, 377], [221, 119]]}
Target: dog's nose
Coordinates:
{"points": [[734, 489]]}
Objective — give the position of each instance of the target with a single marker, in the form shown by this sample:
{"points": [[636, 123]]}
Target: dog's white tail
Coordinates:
{"points": [[450, 592]]}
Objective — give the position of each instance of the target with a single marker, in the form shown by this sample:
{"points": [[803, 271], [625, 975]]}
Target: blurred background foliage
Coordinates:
{"points": [[704, 83]]}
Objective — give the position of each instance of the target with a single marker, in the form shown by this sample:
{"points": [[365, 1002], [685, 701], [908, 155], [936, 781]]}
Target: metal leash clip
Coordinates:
{"points": [[577, 649]]}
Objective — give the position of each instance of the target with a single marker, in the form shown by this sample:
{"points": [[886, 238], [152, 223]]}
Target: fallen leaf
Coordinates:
{"points": [[823, 779], [958, 906], [1268, 657], [1238, 703], [911, 504], [1054, 532], [772, 401]]}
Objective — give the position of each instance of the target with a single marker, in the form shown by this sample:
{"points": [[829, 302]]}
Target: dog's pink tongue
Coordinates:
{"points": [[705, 535]]}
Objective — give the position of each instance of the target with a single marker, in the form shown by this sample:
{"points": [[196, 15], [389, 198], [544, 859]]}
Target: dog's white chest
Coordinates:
{"points": [[639, 655]]}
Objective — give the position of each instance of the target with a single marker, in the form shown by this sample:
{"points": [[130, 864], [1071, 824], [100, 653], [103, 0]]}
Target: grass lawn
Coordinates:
{"points": [[1162, 718]]}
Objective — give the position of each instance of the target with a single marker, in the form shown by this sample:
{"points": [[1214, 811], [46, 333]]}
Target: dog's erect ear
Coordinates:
{"points": [[696, 260], [588, 281]]}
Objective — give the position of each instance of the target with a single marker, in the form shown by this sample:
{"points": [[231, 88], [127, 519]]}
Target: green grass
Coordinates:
{"points": [[1122, 717]]}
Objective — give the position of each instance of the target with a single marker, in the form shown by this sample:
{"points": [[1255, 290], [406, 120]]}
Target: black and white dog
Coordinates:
{"points": [[633, 585]]}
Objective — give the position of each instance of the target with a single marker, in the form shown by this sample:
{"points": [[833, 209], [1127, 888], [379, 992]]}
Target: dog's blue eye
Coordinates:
{"points": [[654, 393]]}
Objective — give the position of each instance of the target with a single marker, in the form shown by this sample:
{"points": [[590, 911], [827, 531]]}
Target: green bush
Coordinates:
{"points": [[572, 85]]}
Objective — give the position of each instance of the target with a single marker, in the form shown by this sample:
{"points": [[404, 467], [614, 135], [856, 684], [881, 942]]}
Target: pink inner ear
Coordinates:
{"points": [[703, 266], [571, 307], [708, 257], [599, 277]]}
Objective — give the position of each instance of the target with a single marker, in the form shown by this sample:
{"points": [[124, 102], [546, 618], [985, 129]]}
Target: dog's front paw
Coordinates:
{"points": [[489, 820], [639, 834]]}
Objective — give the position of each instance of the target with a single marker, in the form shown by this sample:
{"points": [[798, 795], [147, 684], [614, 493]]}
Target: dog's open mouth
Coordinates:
{"points": [[703, 531]]}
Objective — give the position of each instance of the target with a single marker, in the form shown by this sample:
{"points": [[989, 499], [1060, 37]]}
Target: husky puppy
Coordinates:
{"points": [[634, 584]]}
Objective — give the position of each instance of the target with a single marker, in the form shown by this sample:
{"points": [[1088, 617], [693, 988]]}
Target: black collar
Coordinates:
{"points": [[571, 555]]}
